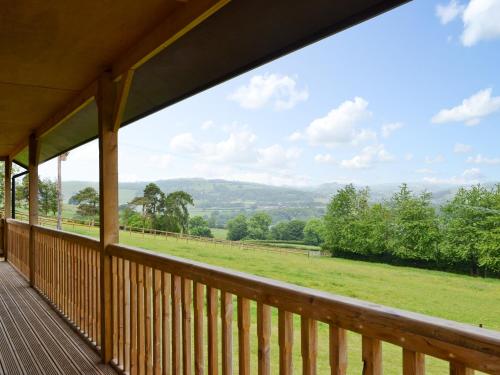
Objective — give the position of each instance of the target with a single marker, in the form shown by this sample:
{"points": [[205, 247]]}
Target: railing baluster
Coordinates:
{"points": [[114, 308], [176, 322], [460, 369], [148, 277], [413, 363], [264, 337], [186, 326], [199, 367], [244, 335], [133, 318], [126, 313], [121, 315], [285, 337], [165, 310], [372, 356], [227, 332], [141, 334], [309, 345], [157, 322], [212, 331], [338, 350]]}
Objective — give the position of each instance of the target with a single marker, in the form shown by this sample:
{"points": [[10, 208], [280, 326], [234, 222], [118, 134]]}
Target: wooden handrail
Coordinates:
{"points": [[68, 236], [478, 348]]}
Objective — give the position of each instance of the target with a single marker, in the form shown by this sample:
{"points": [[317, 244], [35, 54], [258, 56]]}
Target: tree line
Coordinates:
{"points": [[461, 235]]}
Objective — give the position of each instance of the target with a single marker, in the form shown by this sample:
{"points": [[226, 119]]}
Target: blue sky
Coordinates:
{"points": [[412, 95]]}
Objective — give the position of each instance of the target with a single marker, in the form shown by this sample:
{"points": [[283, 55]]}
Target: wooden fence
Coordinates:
{"points": [[173, 316], [155, 233], [18, 235]]}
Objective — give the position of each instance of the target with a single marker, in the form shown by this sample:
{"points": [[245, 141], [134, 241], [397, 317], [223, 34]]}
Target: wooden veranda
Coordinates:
{"points": [[73, 71]]}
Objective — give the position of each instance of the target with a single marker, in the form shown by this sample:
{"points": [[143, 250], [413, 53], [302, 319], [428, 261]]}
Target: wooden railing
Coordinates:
{"points": [[67, 273], [173, 316], [160, 304], [18, 237]]}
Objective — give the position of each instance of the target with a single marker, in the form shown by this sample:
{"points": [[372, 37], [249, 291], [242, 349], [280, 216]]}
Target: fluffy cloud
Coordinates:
{"points": [[184, 142], [449, 12], [471, 110], [278, 156], [295, 136], [367, 157], [480, 159], [340, 125], [481, 20], [324, 159], [238, 147], [207, 125], [161, 161], [280, 91], [434, 159], [388, 129], [461, 148], [479, 17], [469, 176]]}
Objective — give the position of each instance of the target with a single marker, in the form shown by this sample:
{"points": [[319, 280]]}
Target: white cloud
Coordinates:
{"points": [[238, 147], [461, 148], [161, 161], [425, 171], [449, 12], [277, 156], [184, 142], [367, 157], [340, 125], [469, 176], [388, 129], [471, 110], [481, 21], [434, 159], [280, 91], [295, 136], [88, 152], [207, 125], [325, 159], [480, 159]]}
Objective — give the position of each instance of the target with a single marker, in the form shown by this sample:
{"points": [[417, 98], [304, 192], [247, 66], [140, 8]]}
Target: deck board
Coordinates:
{"points": [[34, 339]]}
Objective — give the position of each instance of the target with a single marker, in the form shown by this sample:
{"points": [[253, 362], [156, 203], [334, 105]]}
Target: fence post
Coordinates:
{"points": [[110, 102], [33, 157]]}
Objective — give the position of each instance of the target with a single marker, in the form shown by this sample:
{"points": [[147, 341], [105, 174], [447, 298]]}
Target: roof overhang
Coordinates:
{"points": [[194, 45]]}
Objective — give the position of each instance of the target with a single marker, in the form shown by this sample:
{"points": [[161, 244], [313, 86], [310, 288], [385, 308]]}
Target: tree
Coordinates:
{"points": [[258, 226], [198, 226], [47, 197], [279, 231], [471, 228], [314, 232], [345, 221], [153, 200], [87, 200], [237, 228], [295, 230], [175, 213], [415, 230]]}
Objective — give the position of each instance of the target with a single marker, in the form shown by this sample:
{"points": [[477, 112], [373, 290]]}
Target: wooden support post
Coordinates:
{"points": [[108, 196], [33, 201], [7, 203]]}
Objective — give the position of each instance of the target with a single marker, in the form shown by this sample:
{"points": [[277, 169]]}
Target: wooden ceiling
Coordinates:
{"points": [[52, 52]]}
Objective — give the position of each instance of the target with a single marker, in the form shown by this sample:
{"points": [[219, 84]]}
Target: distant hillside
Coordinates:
{"points": [[227, 198]]}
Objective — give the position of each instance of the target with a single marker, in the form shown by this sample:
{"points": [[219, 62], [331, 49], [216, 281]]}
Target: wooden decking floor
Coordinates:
{"points": [[34, 339]]}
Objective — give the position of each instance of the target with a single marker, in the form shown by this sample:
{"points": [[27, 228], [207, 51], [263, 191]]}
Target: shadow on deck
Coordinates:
{"points": [[34, 339]]}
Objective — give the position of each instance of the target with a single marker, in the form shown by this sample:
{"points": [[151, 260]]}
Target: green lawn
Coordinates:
{"points": [[219, 233], [456, 297]]}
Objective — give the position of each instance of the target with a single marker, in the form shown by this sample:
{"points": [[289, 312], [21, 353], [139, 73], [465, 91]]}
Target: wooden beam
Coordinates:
{"points": [[77, 103], [189, 15], [7, 188], [121, 99], [34, 151], [108, 197]]}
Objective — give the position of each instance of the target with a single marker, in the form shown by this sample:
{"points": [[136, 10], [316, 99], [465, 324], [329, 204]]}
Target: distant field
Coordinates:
{"points": [[219, 233], [286, 245], [456, 297]]}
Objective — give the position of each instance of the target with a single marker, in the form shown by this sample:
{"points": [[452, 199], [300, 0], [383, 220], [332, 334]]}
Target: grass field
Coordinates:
{"points": [[219, 233], [456, 297]]}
